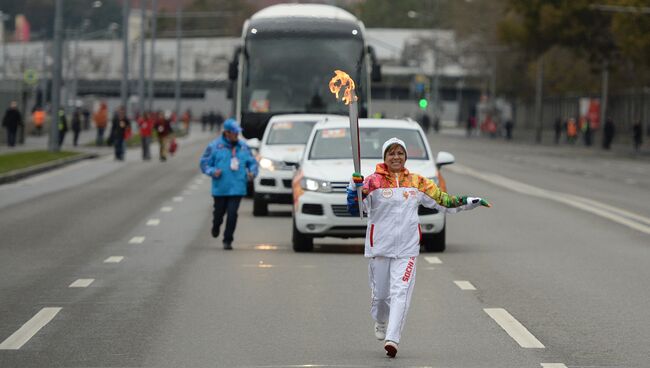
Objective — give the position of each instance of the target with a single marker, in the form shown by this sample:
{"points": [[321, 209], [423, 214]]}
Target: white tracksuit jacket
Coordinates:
{"points": [[393, 239]]}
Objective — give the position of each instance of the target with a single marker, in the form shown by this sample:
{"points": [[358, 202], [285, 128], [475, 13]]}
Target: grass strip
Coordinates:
{"points": [[21, 160]]}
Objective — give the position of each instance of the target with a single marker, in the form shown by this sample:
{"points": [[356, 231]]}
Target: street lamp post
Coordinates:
{"points": [[124, 90], [152, 59], [141, 96], [56, 77], [177, 87]]}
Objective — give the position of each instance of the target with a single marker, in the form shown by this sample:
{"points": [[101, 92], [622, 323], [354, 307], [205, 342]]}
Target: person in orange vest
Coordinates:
{"points": [[38, 117], [101, 120], [187, 117], [571, 130]]}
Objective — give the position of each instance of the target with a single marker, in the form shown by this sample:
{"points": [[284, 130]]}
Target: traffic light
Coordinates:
{"points": [[421, 96], [423, 103]]}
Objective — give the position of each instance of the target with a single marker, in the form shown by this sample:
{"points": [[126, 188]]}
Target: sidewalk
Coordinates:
{"points": [[527, 138]]}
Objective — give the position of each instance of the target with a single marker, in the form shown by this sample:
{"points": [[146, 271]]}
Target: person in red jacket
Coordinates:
{"points": [[145, 123]]}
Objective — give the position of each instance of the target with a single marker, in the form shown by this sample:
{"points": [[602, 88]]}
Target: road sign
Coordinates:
{"points": [[30, 76]]}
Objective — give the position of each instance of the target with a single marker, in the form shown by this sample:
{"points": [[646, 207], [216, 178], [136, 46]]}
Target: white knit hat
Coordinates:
{"points": [[390, 142]]}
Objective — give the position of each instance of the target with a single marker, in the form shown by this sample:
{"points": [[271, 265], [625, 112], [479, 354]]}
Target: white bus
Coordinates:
{"points": [[287, 56]]}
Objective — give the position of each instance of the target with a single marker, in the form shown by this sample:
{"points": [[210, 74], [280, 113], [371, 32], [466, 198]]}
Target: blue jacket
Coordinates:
{"points": [[217, 155]]}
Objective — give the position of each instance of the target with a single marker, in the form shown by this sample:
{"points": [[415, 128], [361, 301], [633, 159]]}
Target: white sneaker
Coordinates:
{"points": [[391, 348], [380, 330]]}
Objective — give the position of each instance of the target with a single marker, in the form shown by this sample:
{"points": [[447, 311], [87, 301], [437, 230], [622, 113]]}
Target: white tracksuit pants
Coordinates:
{"points": [[391, 284]]}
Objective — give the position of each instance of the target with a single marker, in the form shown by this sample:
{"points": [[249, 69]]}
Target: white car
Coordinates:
{"points": [[319, 186], [279, 151]]}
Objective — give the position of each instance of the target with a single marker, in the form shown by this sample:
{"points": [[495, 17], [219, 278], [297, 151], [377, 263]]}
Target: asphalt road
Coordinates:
{"points": [[563, 252]]}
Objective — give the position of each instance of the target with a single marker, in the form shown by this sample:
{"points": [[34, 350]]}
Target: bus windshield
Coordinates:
{"points": [[291, 74]]}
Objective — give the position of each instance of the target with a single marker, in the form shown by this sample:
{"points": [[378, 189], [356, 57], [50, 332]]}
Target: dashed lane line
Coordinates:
{"points": [[137, 240], [29, 329], [464, 285], [114, 259], [153, 222], [177, 199], [623, 217], [514, 328], [433, 260], [167, 209], [553, 365], [82, 283]]}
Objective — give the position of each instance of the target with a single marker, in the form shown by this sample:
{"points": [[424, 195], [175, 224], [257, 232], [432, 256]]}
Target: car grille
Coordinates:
{"points": [[312, 209], [338, 186], [268, 182], [341, 210], [426, 211], [286, 183]]}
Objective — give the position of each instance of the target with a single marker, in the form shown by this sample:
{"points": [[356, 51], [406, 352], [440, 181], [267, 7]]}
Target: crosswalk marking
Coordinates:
{"points": [[433, 260]]}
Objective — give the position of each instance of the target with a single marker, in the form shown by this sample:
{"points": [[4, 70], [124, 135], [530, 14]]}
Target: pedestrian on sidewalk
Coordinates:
{"points": [[76, 126], [509, 127], [571, 130], [391, 197], [11, 121], [230, 164], [119, 130], [585, 126], [637, 135], [101, 120], [145, 123], [38, 117], [163, 128], [609, 131], [62, 125]]}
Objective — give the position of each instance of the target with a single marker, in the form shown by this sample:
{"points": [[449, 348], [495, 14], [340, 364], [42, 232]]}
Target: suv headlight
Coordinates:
{"points": [[315, 185], [270, 165]]}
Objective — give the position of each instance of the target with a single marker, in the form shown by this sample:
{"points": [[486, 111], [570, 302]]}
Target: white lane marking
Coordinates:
{"points": [[193, 187], [553, 365], [187, 192], [609, 212], [465, 285], [515, 329], [137, 240], [29, 329], [82, 283], [153, 222], [433, 260], [167, 209], [178, 199], [114, 259]]}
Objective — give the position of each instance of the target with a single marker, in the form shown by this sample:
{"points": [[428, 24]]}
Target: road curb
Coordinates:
{"points": [[16, 175]]}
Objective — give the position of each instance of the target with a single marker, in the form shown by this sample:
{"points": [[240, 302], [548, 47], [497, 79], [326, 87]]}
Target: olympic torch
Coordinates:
{"points": [[340, 80]]}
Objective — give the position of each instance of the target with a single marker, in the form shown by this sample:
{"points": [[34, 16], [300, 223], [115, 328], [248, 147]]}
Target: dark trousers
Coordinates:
{"points": [[75, 137], [11, 137], [223, 205], [100, 136], [119, 149]]}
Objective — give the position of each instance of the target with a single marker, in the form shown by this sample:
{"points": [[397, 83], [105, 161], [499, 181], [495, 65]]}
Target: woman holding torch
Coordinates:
{"points": [[391, 196]]}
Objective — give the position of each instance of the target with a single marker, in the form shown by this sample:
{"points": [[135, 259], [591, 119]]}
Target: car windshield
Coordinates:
{"points": [[334, 143], [290, 132]]}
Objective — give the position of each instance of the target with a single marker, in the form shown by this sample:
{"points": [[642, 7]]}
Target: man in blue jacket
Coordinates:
{"points": [[230, 164]]}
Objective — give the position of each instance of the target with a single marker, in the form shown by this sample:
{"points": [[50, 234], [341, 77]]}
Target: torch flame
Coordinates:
{"points": [[340, 80]]}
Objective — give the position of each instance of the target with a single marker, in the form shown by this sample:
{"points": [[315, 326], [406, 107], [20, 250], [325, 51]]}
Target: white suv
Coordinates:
{"points": [[280, 150], [319, 186]]}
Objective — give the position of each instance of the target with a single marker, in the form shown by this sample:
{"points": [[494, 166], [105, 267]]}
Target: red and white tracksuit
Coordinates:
{"points": [[393, 239]]}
